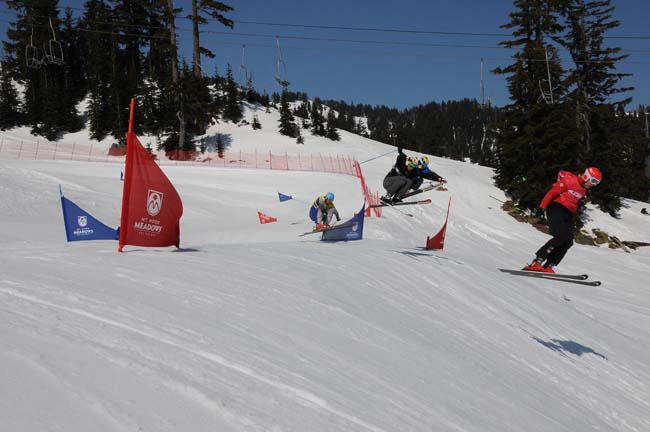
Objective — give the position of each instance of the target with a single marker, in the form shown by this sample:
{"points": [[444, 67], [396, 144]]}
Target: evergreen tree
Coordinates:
{"points": [[100, 114], [287, 125], [232, 109], [256, 122], [10, 115], [535, 139], [317, 126], [331, 131], [50, 105], [593, 85], [214, 10]]}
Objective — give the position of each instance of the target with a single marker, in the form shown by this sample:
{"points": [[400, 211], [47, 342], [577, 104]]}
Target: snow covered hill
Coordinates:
{"points": [[249, 327]]}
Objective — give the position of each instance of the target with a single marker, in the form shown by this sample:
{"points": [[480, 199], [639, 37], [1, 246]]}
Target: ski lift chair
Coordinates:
{"points": [[281, 73], [53, 50], [547, 97], [33, 54]]}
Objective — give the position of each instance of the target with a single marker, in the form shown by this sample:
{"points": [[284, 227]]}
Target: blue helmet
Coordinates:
{"points": [[329, 196]]}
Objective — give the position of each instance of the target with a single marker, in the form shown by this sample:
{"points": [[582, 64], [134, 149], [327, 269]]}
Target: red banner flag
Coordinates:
{"points": [[264, 219], [151, 207], [437, 242]]}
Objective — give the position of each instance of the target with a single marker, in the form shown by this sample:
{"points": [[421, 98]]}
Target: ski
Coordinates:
{"points": [[385, 204], [576, 279], [566, 276], [419, 191], [426, 188], [334, 227]]}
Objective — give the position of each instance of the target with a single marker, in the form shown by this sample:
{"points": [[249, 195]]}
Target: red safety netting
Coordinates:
{"points": [[90, 152]]}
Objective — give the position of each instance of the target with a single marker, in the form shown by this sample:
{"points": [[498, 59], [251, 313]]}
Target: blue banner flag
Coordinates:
{"points": [[80, 225], [284, 197], [353, 229]]}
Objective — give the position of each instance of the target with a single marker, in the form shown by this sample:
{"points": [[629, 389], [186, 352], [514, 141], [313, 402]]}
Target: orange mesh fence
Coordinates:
{"points": [[90, 152]]}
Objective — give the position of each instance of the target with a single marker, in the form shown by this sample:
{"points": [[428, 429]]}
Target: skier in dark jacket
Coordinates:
{"points": [[560, 205], [399, 179], [425, 172]]}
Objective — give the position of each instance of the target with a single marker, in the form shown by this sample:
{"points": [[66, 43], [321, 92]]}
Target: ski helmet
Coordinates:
{"points": [[329, 196], [425, 159], [592, 175]]}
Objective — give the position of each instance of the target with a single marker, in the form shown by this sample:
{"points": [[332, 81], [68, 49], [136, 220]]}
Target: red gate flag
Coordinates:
{"points": [[264, 219], [437, 242], [151, 207]]}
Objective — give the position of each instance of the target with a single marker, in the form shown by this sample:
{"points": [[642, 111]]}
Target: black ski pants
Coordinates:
{"points": [[560, 221], [396, 185]]}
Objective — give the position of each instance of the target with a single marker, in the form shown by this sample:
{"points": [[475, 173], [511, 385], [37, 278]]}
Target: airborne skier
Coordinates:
{"points": [[560, 205]]}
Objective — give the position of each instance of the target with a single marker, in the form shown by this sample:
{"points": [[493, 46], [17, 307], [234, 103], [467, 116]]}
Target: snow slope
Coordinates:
{"points": [[249, 327]]}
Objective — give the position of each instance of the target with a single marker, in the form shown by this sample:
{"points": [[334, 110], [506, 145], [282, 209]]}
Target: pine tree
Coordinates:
{"points": [[10, 109], [593, 85], [232, 109], [287, 122], [214, 10], [256, 123], [98, 67], [331, 131], [535, 139], [317, 126]]}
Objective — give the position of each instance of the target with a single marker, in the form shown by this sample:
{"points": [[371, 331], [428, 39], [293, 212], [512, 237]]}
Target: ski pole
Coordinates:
{"points": [[377, 157]]}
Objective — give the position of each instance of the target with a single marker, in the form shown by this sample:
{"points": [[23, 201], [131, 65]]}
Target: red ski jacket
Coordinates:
{"points": [[567, 190]]}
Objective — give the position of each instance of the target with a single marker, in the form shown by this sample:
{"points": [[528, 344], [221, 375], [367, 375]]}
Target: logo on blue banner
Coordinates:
{"points": [[350, 230], [80, 225]]}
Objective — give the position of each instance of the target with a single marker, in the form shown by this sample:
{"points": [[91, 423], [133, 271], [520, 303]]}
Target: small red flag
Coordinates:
{"points": [[437, 242], [264, 219]]}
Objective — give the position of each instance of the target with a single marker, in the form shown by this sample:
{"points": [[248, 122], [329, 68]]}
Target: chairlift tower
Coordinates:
{"points": [[281, 72], [482, 87], [245, 79]]}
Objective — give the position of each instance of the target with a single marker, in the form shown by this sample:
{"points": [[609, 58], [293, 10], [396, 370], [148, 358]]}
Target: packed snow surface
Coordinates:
{"points": [[250, 327]]}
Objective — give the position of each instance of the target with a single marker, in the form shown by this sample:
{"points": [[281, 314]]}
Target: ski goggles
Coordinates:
{"points": [[592, 180]]}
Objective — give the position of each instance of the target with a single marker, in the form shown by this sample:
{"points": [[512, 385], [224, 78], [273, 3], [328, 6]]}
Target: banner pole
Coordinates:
{"points": [[131, 115], [126, 186]]}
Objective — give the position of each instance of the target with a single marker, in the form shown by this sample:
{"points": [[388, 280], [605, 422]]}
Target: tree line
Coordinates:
{"points": [[562, 115], [568, 114]]}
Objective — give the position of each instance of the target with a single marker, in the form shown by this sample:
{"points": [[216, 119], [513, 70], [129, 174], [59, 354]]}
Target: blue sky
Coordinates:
{"points": [[399, 69]]}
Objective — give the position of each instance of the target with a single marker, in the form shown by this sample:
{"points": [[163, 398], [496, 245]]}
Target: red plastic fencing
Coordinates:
{"points": [[37, 150], [371, 198]]}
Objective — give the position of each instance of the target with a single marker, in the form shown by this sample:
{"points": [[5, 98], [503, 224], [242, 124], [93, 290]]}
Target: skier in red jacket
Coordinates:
{"points": [[560, 204]]}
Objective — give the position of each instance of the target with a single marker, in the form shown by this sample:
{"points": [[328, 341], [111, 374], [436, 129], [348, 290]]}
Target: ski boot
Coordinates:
{"points": [[535, 266]]}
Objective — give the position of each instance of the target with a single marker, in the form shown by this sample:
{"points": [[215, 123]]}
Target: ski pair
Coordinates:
{"points": [[387, 204], [333, 227], [427, 188], [576, 279]]}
